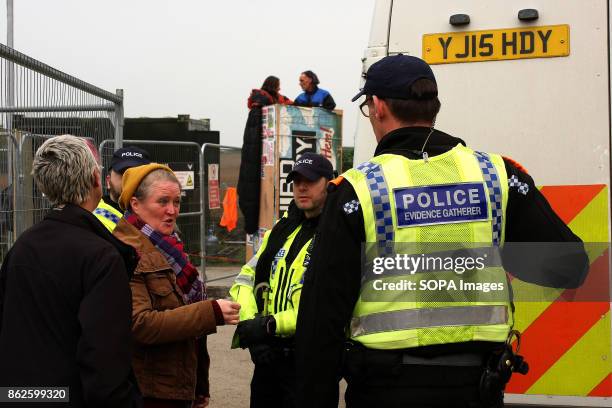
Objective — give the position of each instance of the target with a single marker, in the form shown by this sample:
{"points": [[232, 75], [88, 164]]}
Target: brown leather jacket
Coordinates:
{"points": [[168, 361]]}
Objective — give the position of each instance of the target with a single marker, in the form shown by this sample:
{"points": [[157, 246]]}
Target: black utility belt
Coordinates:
{"points": [[408, 358]]}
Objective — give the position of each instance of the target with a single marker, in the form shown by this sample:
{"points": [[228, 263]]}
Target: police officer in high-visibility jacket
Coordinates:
{"points": [[108, 211], [268, 288], [427, 189]]}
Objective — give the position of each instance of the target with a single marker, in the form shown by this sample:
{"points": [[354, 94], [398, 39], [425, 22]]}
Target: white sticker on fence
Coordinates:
{"points": [[186, 178]]}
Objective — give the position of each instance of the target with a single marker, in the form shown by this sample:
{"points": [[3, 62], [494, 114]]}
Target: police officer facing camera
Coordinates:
{"points": [[108, 211], [422, 186], [269, 286]]}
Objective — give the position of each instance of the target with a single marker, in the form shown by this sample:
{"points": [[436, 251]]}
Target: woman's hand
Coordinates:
{"points": [[230, 311], [200, 402]]}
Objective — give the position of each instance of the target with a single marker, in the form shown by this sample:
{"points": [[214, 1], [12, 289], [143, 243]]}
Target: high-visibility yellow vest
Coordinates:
{"points": [[282, 296], [108, 215], [454, 199]]}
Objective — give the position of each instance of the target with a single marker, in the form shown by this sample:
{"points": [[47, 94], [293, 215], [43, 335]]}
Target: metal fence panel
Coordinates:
{"points": [[38, 102], [8, 167], [38, 99]]}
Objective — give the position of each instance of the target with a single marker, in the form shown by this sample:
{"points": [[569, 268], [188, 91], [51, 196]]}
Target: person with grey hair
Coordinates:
{"points": [[65, 302]]}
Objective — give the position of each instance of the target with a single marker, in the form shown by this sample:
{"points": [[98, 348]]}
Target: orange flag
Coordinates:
{"points": [[230, 209]]}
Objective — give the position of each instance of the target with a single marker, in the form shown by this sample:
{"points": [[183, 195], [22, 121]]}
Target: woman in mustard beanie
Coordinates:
{"points": [[170, 316]]}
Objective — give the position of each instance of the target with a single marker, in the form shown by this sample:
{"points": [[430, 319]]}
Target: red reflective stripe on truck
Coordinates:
{"points": [[568, 201], [603, 389]]}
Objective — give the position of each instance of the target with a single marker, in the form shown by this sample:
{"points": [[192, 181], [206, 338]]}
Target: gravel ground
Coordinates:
{"points": [[231, 371]]}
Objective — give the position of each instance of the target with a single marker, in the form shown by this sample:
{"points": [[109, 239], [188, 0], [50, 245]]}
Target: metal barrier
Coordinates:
{"points": [[38, 102], [8, 221], [222, 246], [39, 99]]}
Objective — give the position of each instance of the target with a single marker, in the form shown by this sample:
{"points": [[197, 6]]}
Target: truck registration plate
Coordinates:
{"points": [[497, 45]]}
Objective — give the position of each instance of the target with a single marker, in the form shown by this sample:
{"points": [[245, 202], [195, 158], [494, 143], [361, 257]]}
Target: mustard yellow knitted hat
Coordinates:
{"points": [[132, 179]]}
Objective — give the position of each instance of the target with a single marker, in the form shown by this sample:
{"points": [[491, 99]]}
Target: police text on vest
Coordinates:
{"points": [[440, 204]]}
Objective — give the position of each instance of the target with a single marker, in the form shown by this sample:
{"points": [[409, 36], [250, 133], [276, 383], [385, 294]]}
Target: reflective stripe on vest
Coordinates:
{"points": [[379, 193], [245, 280], [425, 318], [495, 194], [253, 261], [283, 277], [108, 215]]}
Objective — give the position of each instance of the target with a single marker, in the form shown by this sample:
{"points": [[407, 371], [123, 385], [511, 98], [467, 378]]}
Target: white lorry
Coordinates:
{"points": [[529, 79]]}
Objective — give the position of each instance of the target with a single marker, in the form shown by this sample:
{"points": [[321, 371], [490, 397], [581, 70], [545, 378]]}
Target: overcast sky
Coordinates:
{"points": [[199, 57]]}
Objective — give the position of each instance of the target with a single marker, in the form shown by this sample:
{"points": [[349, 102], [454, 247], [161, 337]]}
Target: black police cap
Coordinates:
{"points": [[392, 77], [128, 157], [313, 166]]}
